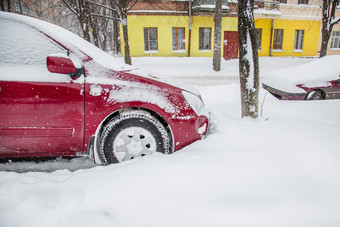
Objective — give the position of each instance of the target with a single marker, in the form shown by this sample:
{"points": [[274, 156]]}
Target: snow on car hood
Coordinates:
{"points": [[313, 74], [131, 89], [152, 76]]}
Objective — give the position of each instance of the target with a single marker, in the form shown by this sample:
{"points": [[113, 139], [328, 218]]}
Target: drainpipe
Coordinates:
{"points": [[271, 39], [189, 39]]}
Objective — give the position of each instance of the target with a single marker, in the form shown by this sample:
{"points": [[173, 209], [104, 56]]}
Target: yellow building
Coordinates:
{"points": [[159, 32], [288, 37]]}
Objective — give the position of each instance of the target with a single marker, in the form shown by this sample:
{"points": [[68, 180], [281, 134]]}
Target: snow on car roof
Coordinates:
{"points": [[312, 74], [81, 46], [69, 40]]}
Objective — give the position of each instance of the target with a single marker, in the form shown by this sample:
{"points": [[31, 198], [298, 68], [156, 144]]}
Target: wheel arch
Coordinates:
{"points": [[102, 125], [323, 93], [129, 109]]}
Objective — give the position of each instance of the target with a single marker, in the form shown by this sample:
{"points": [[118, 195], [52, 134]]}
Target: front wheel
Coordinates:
{"points": [[131, 135], [315, 95]]}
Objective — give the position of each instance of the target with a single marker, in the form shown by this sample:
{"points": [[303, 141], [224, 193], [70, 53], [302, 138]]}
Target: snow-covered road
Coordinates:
{"points": [[282, 169]]}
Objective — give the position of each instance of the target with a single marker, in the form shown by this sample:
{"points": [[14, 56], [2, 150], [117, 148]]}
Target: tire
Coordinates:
{"points": [[131, 135], [315, 95]]}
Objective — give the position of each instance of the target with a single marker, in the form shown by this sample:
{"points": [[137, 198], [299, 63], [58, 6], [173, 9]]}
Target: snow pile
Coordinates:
{"points": [[312, 74], [199, 71], [282, 169], [211, 6], [267, 12]]}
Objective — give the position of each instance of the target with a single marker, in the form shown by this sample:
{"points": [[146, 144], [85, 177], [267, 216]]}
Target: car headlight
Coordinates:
{"points": [[196, 104]]}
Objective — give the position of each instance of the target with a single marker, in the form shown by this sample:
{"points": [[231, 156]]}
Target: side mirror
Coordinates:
{"points": [[63, 65]]}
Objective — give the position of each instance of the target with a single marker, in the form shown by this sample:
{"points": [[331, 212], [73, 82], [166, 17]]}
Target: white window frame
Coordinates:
{"points": [[177, 44], [278, 40], [335, 43], [299, 39], [259, 38], [203, 32], [147, 40]]}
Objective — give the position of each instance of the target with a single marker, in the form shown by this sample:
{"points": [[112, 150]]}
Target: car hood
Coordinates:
{"points": [[97, 74], [317, 73], [152, 76]]}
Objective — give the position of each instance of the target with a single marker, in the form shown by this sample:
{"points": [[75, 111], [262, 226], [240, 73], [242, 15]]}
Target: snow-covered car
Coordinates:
{"points": [[62, 96], [318, 79]]}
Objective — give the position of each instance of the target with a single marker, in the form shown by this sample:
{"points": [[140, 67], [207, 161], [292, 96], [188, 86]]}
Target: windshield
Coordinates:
{"points": [[69, 40]]}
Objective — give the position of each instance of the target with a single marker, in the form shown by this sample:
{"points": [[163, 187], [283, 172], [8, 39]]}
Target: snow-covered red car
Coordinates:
{"points": [[318, 79], [62, 96]]}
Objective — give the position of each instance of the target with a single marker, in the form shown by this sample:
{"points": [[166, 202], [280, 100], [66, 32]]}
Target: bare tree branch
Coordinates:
{"points": [[103, 16], [132, 5], [70, 8], [104, 6]]}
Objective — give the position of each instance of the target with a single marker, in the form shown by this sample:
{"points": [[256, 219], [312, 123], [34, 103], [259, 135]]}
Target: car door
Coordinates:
{"points": [[41, 113]]}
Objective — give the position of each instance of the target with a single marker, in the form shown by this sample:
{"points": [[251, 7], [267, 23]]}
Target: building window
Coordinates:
{"points": [[150, 39], [335, 44], [303, 2], [178, 39], [278, 39], [282, 1], [259, 38], [205, 38], [298, 43]]}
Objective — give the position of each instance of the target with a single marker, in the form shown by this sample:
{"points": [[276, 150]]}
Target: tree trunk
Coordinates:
{"points": [[127, 57], [82, 11], [217, 36], [248, 60], [324, 43], [85, 27], [94, 31], [329, 8], [325, 29], [20, 7], [116, 42], [2, 5], [9, 7]]}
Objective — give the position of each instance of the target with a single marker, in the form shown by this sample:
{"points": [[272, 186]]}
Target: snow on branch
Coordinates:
{"points": [[104, 16], [71, 8], [104, 6], [334, 20]]}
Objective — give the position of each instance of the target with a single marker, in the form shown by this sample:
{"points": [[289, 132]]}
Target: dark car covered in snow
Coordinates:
{"points": [[318, 79], [62, 96]]}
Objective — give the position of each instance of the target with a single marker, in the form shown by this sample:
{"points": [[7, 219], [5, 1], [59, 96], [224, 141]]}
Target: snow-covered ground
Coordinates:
{"points": [[282, 169], [199, 71]]}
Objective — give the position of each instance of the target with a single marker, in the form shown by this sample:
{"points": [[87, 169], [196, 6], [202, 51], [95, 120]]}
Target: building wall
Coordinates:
{"points": [[200, 22], [310, 42], [265, 24], [166, 14], [311, 12], [165, 23], [228, 24]]}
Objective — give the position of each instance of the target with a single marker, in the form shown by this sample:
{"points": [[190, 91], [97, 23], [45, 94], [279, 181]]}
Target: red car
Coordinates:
{"points": [[62, 96], [316, 80]]}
